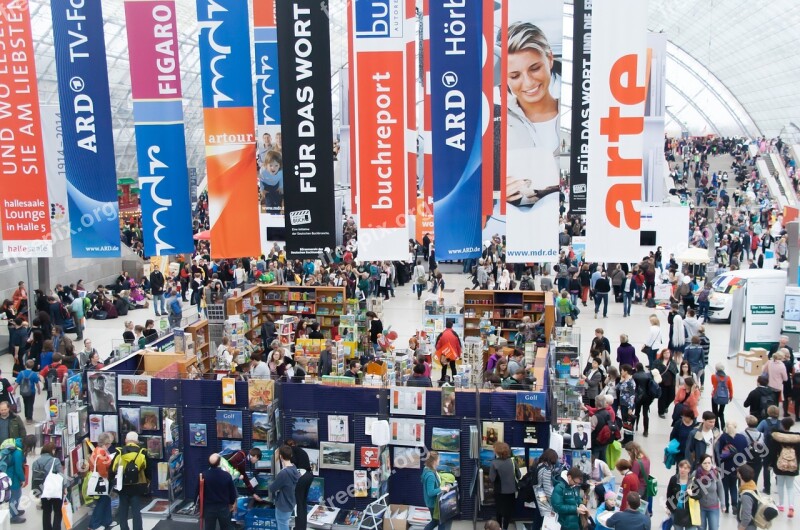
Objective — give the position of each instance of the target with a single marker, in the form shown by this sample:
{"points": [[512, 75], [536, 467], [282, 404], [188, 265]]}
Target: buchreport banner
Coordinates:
{"points": [[304, 54], [88, 134], [230, 135], [456, 40], [616, 125], [531, 121], [158, 118], [379, 128], [581, 83]]}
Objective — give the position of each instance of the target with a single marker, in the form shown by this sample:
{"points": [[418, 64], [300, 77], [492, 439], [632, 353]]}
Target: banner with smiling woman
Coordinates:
{"points": [[529, 94]]}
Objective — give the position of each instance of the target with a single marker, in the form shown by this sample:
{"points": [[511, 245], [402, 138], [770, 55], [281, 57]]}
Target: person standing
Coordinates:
{"points": [[629, 518], [175, 311], [669, 375], [448, 338], [568, 501], [78, 312], [749, 500], [721, 393], [157, 289], [784, 459], [14, 460], [51, 507], [630, 481], [707, 488], [601, 289], [135, 484], [283, 488], [303, 464], [431, 488], [219, 496], [29, 384], [730, 444], [678, 497], [11, 425], [99, 461], [504, 475]]}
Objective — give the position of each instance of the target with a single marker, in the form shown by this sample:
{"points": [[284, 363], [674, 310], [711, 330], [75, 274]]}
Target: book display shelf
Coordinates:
{"points": [[505, 310]]}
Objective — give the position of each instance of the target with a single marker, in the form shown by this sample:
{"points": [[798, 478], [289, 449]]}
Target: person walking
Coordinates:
{"points": [[702, 441], [283, 488], [646, 392], [756, 445], [14, 460], [431, 488], [784, 461], [450, 339], [640, 466], [219, 496], [721, 393], [303, 464], [678, 497], [669, 373], [767, 427], [51, 506], [99, 461], [627, 396], [601, 289], [504, 475], [730, 444], [157, 290], [748, 493], [29, 384], [133, 460], [707, 488]]}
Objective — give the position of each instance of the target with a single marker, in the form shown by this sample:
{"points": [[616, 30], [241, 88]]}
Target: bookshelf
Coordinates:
{"points": [[324, 304], [247, 306], [202, 346], [505, 310]]}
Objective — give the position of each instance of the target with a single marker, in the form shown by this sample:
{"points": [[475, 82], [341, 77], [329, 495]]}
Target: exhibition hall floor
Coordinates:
{"points": [[404, 314]]}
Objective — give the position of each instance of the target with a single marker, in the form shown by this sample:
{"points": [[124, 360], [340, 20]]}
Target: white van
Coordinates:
{"points": [[723, 286]]}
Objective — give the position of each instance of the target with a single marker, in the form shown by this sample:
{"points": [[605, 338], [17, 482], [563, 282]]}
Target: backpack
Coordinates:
{"points": [[767, 400], [787, 460], [62, 310], [5, 488], [130, 470], [722, 395], [51, 378], [26, 386], [653, 389], [764, 509], [526, 484], [610, 431], [524, 285]]}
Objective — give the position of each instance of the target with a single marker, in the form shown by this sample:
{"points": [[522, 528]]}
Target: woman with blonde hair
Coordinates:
{"points": [[431, 488], [653, 342]]}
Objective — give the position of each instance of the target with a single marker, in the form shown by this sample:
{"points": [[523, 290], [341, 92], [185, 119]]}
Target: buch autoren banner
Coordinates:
{"points": [[85, 101], [227, 85], [158, 118], [581, 82], [307, 126]]}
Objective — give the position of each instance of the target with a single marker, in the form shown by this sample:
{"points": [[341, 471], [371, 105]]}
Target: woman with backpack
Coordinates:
{"points": [[721, 393], [784, 460], [29, 384], [729, 445]]}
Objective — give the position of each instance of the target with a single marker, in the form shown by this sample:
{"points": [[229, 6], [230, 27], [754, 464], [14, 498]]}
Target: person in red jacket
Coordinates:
{"points": [[450, 339], [630, 482]]}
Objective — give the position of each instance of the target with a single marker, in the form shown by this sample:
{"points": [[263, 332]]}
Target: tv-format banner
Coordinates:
{"points": [[379, 127], [530, 84], [88, 134], [307, 123], [616, 125], [268, 109], [456, 41], [158, 119], [581, 83], [230, 136]]}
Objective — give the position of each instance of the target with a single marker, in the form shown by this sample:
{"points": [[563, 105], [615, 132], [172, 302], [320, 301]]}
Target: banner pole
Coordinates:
{"points": [[31, 303]]}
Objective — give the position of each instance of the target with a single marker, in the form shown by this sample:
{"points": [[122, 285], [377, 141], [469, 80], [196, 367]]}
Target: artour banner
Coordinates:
{"points": [[616, 125], [456, 41], [24, 214], [529, 92], [268, 109], [88, 134], [158, 118], [581, 83], [229, 132], [307, 124], [379, 127]]}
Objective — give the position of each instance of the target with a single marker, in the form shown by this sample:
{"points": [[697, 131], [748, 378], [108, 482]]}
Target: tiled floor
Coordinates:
{"points": [[404, 314]]}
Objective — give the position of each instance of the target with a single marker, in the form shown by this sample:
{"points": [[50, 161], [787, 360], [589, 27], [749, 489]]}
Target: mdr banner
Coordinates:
{"points": [[268, 109], [616, 125], [456, 43], [158, 119], [88, 135], [379, 127], [24, 208], [307, 126], [530, 80], [227, 87]]}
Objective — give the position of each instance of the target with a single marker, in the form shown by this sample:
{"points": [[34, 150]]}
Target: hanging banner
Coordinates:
{"points": [[158, 118], [85, 103], [23, 190], [53, 144], [227, 84], [654, 190], [411, 34], [379, 128], [487, 114], [616, 125], [581, 83], [456, 41], [307, 123], [530, 114], [426, 227], [268, 109]]}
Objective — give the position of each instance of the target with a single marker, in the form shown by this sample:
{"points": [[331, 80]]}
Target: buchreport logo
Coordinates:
{"points": [[300, 217]]}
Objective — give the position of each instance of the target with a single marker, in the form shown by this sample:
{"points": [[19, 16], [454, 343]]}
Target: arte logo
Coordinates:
{"points": [[379, 18], [300, 217]]}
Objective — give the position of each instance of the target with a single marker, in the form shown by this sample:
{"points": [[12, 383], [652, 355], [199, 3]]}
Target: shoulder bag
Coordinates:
{"points": [[53, 485]]}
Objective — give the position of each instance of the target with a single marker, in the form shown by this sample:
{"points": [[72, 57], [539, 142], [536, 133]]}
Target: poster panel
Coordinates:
{"points": [[763, 312], [581, 84]]}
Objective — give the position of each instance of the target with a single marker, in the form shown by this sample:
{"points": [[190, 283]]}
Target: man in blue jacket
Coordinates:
{"points": [[219, 496]]}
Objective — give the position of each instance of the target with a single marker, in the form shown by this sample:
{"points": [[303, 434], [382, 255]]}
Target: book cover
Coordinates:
{"points": [[229, 424], [198, 435]]}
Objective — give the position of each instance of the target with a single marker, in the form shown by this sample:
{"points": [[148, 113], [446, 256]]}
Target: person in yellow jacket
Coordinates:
{"points": [[132, 458]]}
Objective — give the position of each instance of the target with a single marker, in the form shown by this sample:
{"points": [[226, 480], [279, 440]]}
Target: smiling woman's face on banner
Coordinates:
{"points": [[529, 75]]}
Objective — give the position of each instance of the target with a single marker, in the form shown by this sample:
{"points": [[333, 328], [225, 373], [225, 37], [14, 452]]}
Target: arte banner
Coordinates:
{"points": [[616, 125], [581, 83], [307, 124], [85, 103], [227, 84], [268, 109], [158, 119], [456, 41], [53, 143], [24, 208], [530, 116], [379, 128]]}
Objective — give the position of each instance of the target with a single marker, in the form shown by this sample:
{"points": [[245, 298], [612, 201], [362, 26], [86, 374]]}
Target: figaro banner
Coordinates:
{"points": [[227, 87], [456, 68], [379, 127], [307, 126], [88, 135], [616, 126], [158, 118]]}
